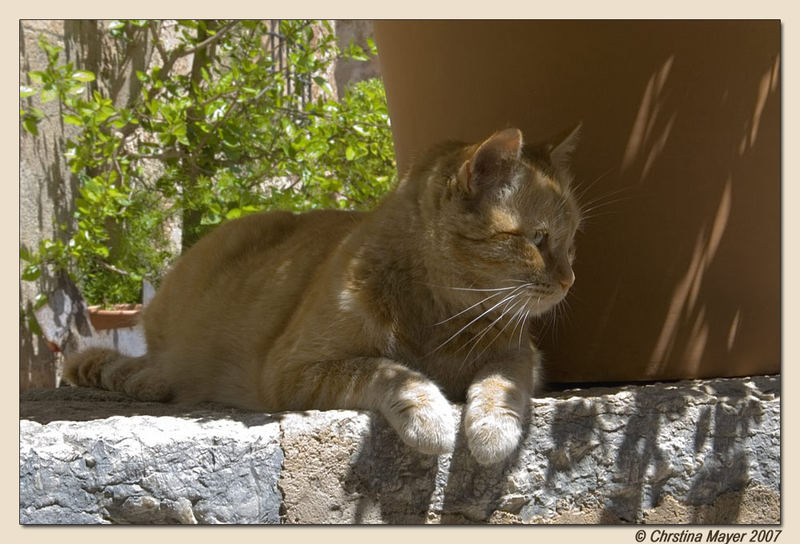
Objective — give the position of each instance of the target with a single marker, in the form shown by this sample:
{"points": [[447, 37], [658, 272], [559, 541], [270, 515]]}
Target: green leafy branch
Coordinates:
{"points": [[235, 133]]}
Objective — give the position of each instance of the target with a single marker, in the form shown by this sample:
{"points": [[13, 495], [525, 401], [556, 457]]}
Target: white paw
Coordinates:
{"points": [[492, 437], [424, 419]]}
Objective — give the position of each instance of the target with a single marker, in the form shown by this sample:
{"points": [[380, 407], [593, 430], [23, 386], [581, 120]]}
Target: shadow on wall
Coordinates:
{"points": [[47, 187], [686, 328], [642, 462], [612, 458], [725, 460], [379, 476], [399, 485], [642, 467], [45, 201], [708, 318]]}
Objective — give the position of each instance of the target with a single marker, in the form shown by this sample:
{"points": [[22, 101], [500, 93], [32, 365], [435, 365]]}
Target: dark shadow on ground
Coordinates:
{"points": [[70, 403], [473, 491], [395, 483], [641, 467], [726, 464]]}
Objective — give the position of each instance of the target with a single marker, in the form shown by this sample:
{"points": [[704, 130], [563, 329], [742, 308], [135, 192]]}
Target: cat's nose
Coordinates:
{"points": [[566, 283]]}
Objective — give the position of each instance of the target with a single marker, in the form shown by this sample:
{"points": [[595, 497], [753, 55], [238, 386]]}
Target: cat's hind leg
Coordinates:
{"points": [[413, 404], [104, 368]]}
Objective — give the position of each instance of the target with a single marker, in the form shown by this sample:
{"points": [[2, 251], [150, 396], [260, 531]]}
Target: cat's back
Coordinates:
{"points": [[260, 239], [256, 267]]}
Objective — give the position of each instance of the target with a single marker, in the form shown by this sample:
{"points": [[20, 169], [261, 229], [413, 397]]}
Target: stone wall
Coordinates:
{"points": [[47, 188], [700, 452], [349, 72]]}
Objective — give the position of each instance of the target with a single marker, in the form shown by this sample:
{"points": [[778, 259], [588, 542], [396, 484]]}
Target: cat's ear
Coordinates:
{"points": [[491, 161], [562, 147]]}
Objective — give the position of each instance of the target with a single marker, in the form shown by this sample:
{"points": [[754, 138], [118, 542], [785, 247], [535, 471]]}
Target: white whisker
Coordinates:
{"points": [[520, 318], [584, 187], [538, 299], [470, 289], [521, 329], [477, 338], [589, 209], [465, 327], [468, 309], [499, 334]]}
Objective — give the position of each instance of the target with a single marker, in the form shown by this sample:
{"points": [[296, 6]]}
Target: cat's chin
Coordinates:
{"points": [[539, 306]]}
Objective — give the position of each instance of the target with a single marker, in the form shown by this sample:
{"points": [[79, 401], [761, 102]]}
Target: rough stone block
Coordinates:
{"points": [[151, 469], [686, 452]]}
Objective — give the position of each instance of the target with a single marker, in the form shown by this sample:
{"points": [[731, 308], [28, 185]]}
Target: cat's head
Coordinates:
{"points": [[503, 217]]}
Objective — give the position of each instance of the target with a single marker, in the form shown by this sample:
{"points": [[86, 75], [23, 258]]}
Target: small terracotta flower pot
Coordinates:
{"points": [[120, 316]]}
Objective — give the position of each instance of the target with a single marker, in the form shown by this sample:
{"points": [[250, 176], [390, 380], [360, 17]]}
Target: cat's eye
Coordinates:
{"points": [[539, 237], [506, 234]]}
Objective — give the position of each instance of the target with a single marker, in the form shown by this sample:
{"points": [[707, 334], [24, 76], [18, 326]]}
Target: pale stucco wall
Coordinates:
{"points": [[46, 188]]}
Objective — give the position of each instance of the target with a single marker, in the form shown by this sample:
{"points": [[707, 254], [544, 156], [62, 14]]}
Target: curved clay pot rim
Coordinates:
{"points": [[120, 316]]}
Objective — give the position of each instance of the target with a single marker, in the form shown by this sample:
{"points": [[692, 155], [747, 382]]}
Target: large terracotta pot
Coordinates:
{"points": [[678, 270]]}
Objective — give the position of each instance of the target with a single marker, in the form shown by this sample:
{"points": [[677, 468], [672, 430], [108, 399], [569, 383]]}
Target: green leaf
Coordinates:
{"points": [[180, 134], [350, 153], [104, 113], [75, 90], [25, 91], [37, 77], [39, 300], [49, 94], [83, 75], [31, 125], [47, 46], [31, 272], [33, 325], [73, 120]]}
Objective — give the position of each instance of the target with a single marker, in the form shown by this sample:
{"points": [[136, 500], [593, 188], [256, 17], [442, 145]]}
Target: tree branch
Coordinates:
{"points": [[112, 268], [169, 154], [212, 39]]}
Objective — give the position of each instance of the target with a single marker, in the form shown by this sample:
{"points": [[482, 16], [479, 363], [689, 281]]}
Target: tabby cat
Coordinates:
{"points": [[428, 297]]}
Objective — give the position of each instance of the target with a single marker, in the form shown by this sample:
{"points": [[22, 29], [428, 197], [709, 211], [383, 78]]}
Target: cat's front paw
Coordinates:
{"points": [[424, 419], [492, 436]]}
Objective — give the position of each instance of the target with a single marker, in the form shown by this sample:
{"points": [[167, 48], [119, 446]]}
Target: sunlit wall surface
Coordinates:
{"points": [[678, 268]]}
